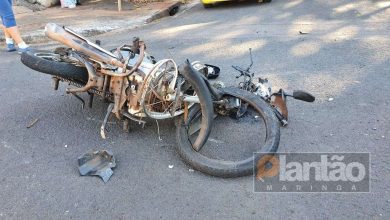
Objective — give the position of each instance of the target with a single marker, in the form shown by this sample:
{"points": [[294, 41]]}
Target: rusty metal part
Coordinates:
{"points": [[178, 98], [93, 79], [133, 100], [78, 43], [108, 72], [105, 120], [141, 57], [106, 85], [118, 87], [127, 115], [280, 103], [134, 92], [124, 66], [95, 45], [185, 111], [159, 83], [63, 54], [103, 94], [120, 56]]}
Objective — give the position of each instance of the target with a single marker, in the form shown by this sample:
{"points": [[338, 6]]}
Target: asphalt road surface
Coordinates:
{"points": [[342, 56]]}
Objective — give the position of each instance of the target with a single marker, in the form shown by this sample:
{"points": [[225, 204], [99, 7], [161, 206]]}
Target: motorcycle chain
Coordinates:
{"points": [[93, 90]]}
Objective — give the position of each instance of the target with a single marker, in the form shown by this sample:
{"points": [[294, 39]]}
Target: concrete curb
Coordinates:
{"points": [[170, 8], [39, 36]]}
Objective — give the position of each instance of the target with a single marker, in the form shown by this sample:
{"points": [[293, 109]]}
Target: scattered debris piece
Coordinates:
{"points": [[66, 146], [32, 123], [374, 129], [209, 71], [216, 141], [383, 136], [191, 170], [330, 99], [97, 163], [301, 32], [170, 166]]}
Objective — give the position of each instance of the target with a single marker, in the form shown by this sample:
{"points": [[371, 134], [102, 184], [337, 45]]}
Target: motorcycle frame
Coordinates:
{"points": [[110, 76]]}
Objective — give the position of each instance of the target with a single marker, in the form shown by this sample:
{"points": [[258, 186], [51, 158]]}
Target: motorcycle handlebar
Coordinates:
{"points": [[242, 71]]}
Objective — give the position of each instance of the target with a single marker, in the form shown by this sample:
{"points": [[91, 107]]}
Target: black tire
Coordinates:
{"points": [[196, 81], [61, 69], [223, 168]]}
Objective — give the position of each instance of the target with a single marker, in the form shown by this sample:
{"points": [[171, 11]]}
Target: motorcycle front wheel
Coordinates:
{"points": [[245, 124]]}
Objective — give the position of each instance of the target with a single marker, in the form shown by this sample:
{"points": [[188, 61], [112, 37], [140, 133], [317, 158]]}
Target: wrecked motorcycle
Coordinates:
{"points": [[137, 86]]}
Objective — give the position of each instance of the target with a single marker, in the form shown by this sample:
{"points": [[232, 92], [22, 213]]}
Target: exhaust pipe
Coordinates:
{"points": [[58, 33]]}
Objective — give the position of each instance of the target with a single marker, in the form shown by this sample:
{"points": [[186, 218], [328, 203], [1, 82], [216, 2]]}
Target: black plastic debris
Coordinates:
{"points": [[209, 71], [97, 163]]}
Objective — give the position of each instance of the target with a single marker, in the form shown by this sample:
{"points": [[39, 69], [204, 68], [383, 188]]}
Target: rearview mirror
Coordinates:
{"points": [[304, 96]]}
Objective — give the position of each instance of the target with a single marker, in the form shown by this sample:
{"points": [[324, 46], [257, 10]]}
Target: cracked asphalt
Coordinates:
{"points": [[337, 50]]}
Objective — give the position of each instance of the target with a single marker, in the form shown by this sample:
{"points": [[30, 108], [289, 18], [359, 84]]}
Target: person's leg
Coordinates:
{"points": [[9, 22], [14, 33], [8, 40], [5, 31]]}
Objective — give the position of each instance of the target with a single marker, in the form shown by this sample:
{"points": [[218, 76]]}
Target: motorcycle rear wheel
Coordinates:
{"points": [[50, 62]]}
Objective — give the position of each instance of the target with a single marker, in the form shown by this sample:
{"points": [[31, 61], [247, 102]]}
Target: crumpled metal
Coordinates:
{"points": [[97, 163]]}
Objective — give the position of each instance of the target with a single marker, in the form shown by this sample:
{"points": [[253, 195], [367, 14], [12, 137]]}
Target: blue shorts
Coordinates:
{"points": [[6, 13]]}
